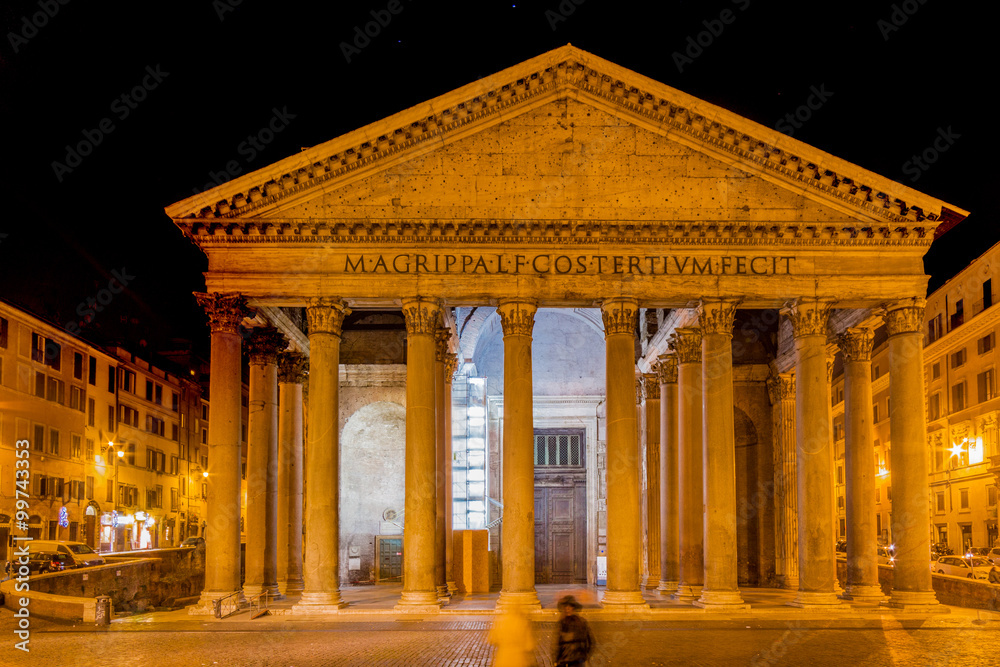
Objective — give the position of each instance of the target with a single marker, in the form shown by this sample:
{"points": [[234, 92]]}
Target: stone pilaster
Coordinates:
{"points": [[686, 342], [222, 534], [817, 562], [262, 463], [321, 570], [451, 364], [720, 591], [518, 537], [859, 460], [624, 507], [441, 456], [912, 588], [781, 391], [666, 370], [423, 317], [653, 508], [292, 371]]}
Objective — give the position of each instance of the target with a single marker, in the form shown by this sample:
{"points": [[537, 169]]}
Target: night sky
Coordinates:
{"points": [[895, 77]]}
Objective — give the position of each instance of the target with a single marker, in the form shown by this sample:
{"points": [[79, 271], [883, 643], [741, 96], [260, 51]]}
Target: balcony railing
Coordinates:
{"points": [[982, 304]]}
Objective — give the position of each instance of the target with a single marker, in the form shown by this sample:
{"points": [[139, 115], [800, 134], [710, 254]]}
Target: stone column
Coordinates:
{"points": [[912, 587], [291, 374], [518, 532], [262, 463], [817, 562], [222, 509], [624, 507], [781, 391], [666, 371], [721, 591], [442, 337], [859, 454], [686, 342], [321, 573], [654, 509], [450, 365], [423, 316]]}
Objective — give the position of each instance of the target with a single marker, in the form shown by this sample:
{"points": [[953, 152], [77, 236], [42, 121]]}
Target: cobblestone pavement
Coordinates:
{"points": [[442, 643]]}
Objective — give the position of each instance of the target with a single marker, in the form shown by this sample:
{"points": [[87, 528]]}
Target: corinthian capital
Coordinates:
{"points": [[780, 387], [715, 316], [264, 344], [652, 382], [666, 368], [450, 366], [292, 367], [621, 316], [809, 315], [905, 316], [225, 311], [442, 338], [856, 344], [686, 342], [326, 315], [423, 316], [517, 316]]}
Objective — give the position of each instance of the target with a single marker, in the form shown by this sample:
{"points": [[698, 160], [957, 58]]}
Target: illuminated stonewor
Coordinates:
{"points": [[571, 184]]}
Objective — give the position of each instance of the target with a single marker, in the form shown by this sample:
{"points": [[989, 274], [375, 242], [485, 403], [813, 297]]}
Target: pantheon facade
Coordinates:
{"points": [[653, 291]]}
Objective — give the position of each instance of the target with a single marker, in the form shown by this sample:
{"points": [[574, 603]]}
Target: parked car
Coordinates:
{"points": [[971, 552], [193, 541], [994, 556], [885, 556], [77, 553], [940, 549], [42, 562], [970, 568], [841, 546]]}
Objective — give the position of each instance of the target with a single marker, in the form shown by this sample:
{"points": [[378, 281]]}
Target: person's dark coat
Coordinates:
{"points": [[575, 641]]}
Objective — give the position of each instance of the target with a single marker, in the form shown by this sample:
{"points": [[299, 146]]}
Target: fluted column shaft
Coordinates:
{"points": [[781, 389], [691, 483], [817, 563], [910, 512], [262, 463], [669, 554], [624, 506], [291, 374], [451, 363], [321, 570], [654, 509], [419, 592], [518, 536], [859, 459], [720, 591], [222, 534], [440, 456]]}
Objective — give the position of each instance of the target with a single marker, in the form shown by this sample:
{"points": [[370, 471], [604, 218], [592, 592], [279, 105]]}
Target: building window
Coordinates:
{"points": [[57, 391], [934, 407], [39, 443], [131, 453], [878, 523], [934, 328], [90, 488], [77, 366], [986, 385], [876, 372], [91, 409], [111, 379], [958, 358], [878, 494], [204, 436], [958, 397], [840, 502], [39, 384], [173, 499], [987, 293], [174, 433], [111, 418], [559, 448], [986, 343], [154, 425], [111, 491], [76, 443], [964, 496], [88, 450], [158, 394], [127, 380], [3, 333], [958, 317], [174, 401], [54, 442], [843, 526], [875, 413], [76, 398], [149, 390], [840, 475], [92, 372], [936, 371]]}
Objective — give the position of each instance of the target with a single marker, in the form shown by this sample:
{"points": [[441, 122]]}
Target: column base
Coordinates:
{"points": [[817, 600], [519, 600], [721, 601], [452, 588], [250, 590], [667, 587], [291, 587], [418, 602], [442, 591], [624, 601], [319, 603], [790, 583], [206, 603], [863, 594], [687, 593], [919, 601]]}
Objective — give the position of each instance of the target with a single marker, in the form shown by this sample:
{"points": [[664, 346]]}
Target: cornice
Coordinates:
{"points": [[973, 328], [571, 72]]}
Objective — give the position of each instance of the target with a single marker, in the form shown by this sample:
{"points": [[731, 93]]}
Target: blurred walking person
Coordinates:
{"points": [[576, 641], [512, 635]]}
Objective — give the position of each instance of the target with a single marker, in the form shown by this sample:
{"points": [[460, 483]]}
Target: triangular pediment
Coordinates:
{"points": [[568, 134]]}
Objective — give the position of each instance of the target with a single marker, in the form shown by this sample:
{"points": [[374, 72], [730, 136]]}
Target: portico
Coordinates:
{"points": [[567, 182]]}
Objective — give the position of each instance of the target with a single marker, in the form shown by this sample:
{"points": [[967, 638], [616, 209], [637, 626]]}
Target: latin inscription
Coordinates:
{"points": [[491, 264]]}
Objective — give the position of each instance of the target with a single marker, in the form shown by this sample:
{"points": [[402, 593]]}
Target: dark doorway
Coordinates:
{"points": [[390, 559], [560, 507]]}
